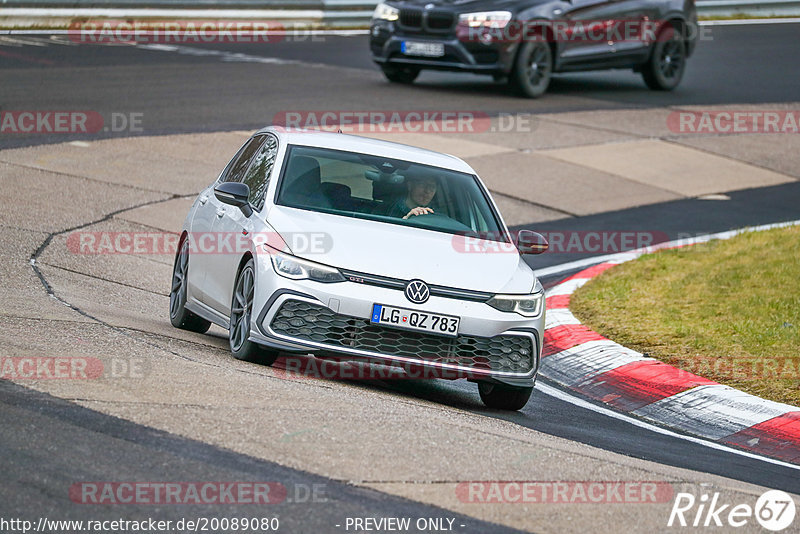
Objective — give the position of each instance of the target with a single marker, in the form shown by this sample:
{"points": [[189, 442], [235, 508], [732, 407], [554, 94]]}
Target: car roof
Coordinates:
{"points": [[366, 145]]}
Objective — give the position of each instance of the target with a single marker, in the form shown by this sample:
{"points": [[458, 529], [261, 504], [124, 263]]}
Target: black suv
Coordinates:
{"points": [[526, 41]]}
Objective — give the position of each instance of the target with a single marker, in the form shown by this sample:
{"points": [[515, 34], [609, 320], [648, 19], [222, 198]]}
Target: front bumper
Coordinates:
{"points": [[459, 55], [333, 319]]}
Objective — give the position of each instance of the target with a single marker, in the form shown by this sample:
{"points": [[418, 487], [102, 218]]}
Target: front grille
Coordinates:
{"points": [[310, 322], [411, 18], [436, 20], [440, 20], [396, 283]]}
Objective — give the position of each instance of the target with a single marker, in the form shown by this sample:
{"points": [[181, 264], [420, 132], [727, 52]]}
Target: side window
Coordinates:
{"points": [[257, 176], [235, 169]]}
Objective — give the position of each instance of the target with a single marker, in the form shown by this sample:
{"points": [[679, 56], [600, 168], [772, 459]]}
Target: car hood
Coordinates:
{"points": [[402, 252]]}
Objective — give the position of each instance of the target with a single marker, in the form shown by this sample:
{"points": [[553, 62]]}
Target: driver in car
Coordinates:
{"points": [[421, 191]]}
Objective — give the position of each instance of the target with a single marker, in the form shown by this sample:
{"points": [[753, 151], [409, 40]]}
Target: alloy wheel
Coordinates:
{"points": [[177, 294], [242, 309]]}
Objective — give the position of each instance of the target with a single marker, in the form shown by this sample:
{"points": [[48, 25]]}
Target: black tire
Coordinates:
{"points": [[241, 315], [664, 71], [404, 75], [503, 397], [533, 68], [179, 316]]}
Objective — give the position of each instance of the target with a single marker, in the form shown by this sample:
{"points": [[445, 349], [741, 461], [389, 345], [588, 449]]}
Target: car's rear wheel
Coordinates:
{"points": [[533, 69], [664, 70], [400, 74], [241, 314], [179, 316], [504, 397]]}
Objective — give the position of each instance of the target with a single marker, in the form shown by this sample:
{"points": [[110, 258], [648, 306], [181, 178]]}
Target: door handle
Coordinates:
{"points": [[202, 200], [220, 212]]}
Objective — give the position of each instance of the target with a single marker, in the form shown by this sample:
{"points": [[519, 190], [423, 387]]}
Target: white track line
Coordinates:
{"points": [[132, 13], [566, 397], [224, 55], [300, 30], [746, 22]]}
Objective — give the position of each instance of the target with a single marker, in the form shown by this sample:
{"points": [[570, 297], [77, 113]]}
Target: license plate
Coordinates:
{"points": [[414, 48], [434, 323]]}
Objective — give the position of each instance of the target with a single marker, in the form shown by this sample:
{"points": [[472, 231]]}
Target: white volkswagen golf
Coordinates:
{"points": [[347, 247]]}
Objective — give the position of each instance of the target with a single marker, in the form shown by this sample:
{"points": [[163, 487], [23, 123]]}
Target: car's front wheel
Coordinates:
{"points": [[533, 69], [504, 397], [665, 69], [241, 314], [400, 74], [179, 316]]}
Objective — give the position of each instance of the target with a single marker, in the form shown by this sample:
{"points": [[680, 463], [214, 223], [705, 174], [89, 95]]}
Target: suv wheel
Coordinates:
{"points": [[241, 313], [504, 397], [667, 62], [179, 316], [400, 74], [533, 69]]}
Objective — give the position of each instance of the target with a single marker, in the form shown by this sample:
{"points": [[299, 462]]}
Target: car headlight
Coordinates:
{"points": [[526, 305], [293, 267], [385, 12], [489, 19]]}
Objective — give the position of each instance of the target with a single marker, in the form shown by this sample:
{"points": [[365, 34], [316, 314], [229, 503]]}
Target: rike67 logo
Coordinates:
{"points": [[774, 511]]}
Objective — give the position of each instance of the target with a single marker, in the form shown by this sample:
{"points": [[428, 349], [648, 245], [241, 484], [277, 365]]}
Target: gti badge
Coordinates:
{"points": [[417, 291]]}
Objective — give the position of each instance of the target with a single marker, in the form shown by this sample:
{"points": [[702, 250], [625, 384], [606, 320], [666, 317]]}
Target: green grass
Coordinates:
{"points": [[726, 310]]}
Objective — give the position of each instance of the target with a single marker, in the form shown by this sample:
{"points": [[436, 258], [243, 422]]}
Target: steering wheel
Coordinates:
{"points": [[437, 221]]}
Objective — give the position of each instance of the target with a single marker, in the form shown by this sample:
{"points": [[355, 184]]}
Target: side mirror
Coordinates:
{"points": [[529, 242], [234, 194]]}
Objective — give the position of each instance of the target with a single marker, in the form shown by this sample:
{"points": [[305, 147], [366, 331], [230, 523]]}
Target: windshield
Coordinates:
{"points": [[387, 190]]}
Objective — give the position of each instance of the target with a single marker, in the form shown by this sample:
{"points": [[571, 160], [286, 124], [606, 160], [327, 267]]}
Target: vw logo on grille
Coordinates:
{"points": [[429, 6], [417, 291]]}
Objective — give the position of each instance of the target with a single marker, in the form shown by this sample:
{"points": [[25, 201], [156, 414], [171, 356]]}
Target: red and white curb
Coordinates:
{"points": [[585, 362]]}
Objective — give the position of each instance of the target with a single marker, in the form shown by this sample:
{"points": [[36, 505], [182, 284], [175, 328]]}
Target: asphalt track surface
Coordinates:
{"points": [[212, 87], [313, 503], [188, 91]]}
